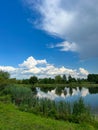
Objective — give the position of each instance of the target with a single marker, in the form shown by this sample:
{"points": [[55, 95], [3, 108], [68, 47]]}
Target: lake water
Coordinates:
{"points": [[90, 96]]}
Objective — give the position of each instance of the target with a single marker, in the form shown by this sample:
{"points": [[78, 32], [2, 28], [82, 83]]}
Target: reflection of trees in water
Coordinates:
{"points": [[69, 90], [58, 91], [80, 88], [93, 90]]}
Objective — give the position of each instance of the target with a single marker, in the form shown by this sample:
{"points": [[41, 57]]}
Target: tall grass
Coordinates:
{"points": [[76, 112], [19, 94], [23, 97]]}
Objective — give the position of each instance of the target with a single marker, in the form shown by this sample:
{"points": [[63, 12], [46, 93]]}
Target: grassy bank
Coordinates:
{"points": [[13, 119]]}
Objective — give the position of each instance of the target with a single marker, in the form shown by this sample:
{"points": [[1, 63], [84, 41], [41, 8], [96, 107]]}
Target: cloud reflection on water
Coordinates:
{"points": [[89, 99]]}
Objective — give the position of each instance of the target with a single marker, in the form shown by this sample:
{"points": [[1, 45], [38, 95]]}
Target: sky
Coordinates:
{"points": [[49, 37]]}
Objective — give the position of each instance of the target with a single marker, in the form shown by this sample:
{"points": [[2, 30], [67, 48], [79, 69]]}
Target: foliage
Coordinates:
{"points": [[81, 112], [13, 119], [58, 79], [33, 80], [4, 75], [4, 81], [23, 97], [71, 79], [61, 110], [64, 78], [19, 94], [46, 81], [93, 78], [25, 81], [5, 98], [3, 85]]}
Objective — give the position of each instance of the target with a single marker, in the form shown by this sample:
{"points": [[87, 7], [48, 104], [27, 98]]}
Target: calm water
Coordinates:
{"points": [[90, 96]]}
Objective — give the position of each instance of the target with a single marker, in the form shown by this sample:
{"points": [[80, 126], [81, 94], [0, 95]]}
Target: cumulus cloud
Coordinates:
{"points": [[42, 69], [76, 21], [83, 71], [31, 62]]}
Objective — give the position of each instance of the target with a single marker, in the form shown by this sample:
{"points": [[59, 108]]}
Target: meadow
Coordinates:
{"points": [[11, 118]]}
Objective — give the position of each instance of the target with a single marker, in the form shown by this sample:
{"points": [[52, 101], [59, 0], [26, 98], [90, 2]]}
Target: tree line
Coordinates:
{"points": [[91, 78], [58, 79]]}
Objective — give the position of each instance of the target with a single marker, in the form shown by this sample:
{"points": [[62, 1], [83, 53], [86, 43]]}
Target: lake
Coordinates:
{"points": [[90, 96]]}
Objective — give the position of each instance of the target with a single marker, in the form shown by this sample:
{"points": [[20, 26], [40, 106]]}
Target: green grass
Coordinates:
{"points": [[13, 119]]}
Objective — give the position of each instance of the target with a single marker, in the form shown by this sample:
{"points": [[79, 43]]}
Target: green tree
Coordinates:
{"points": [[64, 78], [33, 80], [93, 78], [46, 81], [58, 79], [4, 80], [4, 75], [71, 79], [25, 81]]}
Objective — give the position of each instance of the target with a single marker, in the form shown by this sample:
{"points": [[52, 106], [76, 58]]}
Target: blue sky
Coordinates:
{"points": [[46, 38]]}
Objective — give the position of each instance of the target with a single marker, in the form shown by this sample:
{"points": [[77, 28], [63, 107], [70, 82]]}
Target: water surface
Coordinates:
{"points": [[90, 96]]}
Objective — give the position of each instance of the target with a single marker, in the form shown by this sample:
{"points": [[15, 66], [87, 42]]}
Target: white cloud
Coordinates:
{"points": [[31, 62], [65, 46], [41, 69], [75, 21], [7, 68], [83, 71]]}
